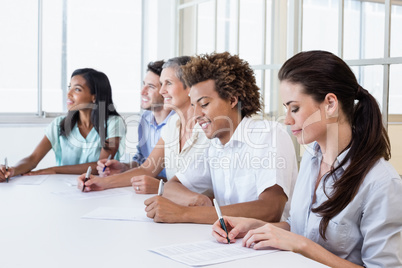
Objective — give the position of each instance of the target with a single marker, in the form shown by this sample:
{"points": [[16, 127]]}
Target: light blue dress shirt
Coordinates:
{"points": [[75, 149], [149, 133], [369, 230]]}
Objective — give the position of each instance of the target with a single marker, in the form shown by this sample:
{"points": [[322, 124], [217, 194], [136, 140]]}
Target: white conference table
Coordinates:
{"points": [[41, 229]]}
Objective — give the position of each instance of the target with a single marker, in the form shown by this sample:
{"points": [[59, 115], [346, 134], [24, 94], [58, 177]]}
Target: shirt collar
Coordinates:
{"points": [[238, 135], [166, 119], [151, 118], [195, 131], [318, 154], [341, 157]]}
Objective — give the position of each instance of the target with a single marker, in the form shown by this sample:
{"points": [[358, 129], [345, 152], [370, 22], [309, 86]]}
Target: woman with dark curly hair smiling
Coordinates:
{"points": [[250, 166]]}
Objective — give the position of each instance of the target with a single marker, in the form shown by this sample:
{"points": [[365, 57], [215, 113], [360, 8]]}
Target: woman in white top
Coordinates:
{"points": [[180, 140], [346, 207]]}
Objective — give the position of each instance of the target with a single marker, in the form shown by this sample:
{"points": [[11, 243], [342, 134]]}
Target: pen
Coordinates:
{"points": [[6, 164], [160, 189], [218, 211], [104, 168], [87, 177]]}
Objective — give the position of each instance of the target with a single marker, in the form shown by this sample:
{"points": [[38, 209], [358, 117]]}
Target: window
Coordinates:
{"points": [[109, 43], [320, 25], [18, 54], [250, 28], [47, 40], [267, 32]]}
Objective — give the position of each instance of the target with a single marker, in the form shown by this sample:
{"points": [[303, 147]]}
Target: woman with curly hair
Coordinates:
{"points": [[346, 209], [250, 166]]}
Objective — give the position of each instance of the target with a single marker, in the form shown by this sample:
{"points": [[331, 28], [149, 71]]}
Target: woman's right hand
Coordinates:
{"points": [[237, 227], [6, 174], [94, 183], [112, 167]]}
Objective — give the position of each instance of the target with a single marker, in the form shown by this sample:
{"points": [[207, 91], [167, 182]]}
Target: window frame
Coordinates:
{"points": [[294, 14], [41, 117]]}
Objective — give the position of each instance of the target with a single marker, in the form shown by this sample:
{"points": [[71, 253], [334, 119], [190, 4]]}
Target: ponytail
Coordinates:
{"points": [[369, 143]]}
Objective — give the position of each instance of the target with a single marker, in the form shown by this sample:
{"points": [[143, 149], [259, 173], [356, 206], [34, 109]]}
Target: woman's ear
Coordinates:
{"points": [[332, 105], [233, 101]]}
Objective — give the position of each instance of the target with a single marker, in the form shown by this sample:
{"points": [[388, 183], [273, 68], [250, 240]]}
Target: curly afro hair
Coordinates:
{"points": [[233, 78]]}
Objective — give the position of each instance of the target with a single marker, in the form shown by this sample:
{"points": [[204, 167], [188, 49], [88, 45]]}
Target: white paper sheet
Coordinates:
{"points": [[76, 194], [120, 214], [208, 252], [29, 180], [71, 181]]}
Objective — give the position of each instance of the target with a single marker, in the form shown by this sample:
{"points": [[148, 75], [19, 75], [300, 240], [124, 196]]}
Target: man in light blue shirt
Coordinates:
{"points": [[152, 121], [149, 132]]}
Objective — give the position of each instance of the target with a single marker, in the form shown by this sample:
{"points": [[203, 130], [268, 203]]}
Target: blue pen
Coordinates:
{"points": [[104, 168], [223, 225]]}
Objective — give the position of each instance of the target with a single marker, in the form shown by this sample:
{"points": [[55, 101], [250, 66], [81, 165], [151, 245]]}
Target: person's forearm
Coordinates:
{"points": [[255, 209], [258, 209], [124, 179], [178, 193], [23, 166], [75, 169], [283, 225], [268, 207], [131, 165]]}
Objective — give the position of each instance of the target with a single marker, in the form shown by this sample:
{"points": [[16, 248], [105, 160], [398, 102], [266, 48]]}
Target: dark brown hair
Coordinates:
{"points": [[155, 67], [233, 78], [320, 73], [103, 107]]}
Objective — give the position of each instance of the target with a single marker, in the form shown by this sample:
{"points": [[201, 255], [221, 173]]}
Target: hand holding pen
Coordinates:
{"points": [[222, 222], [87, 176], [5, 171], [104, 168], [109, 166]]}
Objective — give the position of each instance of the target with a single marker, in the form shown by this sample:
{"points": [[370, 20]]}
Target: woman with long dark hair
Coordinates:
{"points": [[91, 130], [346, 207]]}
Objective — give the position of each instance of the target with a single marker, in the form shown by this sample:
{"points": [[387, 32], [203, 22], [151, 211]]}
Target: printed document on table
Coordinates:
{"points": [[120, 214], [76, 194], [208, 252], [29, 180]]}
